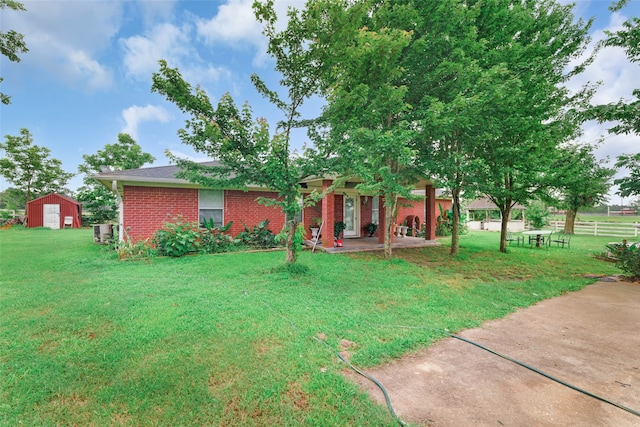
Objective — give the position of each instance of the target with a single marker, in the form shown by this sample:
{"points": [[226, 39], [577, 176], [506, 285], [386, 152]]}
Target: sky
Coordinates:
{"points": [[87, 75]]}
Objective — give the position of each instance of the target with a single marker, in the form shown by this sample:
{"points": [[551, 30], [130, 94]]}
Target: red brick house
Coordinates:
{"points": [[150, 196]]}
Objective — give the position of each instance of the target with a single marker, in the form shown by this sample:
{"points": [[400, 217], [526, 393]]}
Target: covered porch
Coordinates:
{"points": [[348, 206]]}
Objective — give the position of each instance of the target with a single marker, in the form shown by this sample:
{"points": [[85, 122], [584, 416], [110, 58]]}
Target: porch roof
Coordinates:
{"points": [[484, 204]]}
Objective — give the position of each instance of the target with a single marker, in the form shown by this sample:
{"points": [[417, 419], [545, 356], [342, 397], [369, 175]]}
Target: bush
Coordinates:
{"points": [[214, 240], [178, 238], [627, 257], [444, 223], [258, 237], [127, 250], [538, 216]]}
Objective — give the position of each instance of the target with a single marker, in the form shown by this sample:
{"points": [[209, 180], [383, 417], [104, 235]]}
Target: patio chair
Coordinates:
{"points": [[512, 238], [68, 222], [563, 239], [546, 240]]}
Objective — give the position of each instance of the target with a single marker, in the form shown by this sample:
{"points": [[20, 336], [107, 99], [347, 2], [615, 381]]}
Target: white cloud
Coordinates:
{"points": [[618, 77], [173, 44], [66, 38], [164, 41], [135, 115], [611, 68], [235, 23], [89, 70], [154, 11]]}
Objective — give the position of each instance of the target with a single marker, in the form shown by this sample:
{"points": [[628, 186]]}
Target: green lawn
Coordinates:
{"points": [[207, 340]]}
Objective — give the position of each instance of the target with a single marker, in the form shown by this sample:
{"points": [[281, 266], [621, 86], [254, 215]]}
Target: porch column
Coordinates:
{"points": [[328, 215], [430, 212]]}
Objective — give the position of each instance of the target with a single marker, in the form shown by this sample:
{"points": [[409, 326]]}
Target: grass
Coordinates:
{"points": [[228, 340]]}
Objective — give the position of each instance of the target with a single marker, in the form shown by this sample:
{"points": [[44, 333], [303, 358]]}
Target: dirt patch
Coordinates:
{"points": [[589, 339]]}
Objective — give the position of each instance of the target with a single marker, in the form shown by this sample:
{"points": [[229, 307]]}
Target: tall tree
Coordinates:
{"points": [[581, 181], [248, 153], [96, 198], [445, 80], [368, 132], [30, 168], [12, 199], [11, 43], [529, 47]]}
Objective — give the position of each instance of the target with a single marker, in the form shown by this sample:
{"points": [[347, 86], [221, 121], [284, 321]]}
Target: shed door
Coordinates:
{"points": [[51, 216]]}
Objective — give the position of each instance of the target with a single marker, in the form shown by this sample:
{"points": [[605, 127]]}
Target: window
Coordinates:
{"points": [[211, 206], [375, 210]]}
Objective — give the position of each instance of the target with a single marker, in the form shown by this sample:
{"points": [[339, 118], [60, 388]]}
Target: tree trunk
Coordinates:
{"points": [[291, 250], [390, 202], [26, 206], [506, 213], [455, 224], [570, 221]]}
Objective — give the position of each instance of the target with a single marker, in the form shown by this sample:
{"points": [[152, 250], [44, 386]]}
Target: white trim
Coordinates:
{"points": [[213, 205], [121, 231], [356, 213]]}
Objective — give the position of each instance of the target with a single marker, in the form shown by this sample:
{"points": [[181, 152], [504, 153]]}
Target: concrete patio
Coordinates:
{"points": [[588, 339], [367, 244]]}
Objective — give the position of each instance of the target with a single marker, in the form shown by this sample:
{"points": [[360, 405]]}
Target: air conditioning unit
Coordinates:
{"points": [[102, 233]]}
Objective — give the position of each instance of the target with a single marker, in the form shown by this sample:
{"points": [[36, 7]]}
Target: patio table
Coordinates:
{"points": [[538, 234]]}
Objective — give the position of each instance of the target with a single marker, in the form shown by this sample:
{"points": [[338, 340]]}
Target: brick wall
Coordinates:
{"points": [[417, 209], [365, 214], [240, 205], [147, 208]]}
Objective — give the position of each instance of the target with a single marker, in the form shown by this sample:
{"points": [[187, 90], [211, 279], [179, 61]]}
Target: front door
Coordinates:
{"points": [[51, 216], [351, 215]]}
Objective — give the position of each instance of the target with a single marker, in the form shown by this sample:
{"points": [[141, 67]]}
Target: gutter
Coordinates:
{"points": [[114, 188]]}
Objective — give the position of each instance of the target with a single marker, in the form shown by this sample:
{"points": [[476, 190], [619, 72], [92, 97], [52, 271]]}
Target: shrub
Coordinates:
{"points": [[178, 238], [127, 250], [258, 237], [627, 257], [444, 223], [214, 240], [538, 216]]}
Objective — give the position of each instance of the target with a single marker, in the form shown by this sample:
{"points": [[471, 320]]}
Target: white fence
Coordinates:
{"points": [[602, 228]]}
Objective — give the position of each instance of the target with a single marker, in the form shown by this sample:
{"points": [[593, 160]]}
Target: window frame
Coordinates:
{"points": [[375, 210], [218, 205]]}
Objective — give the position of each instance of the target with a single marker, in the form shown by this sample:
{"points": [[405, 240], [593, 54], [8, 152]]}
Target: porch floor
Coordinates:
{"points": [[365, 244]]}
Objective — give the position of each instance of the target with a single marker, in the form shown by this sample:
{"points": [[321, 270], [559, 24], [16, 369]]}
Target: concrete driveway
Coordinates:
{"points": [[590, 339]]}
